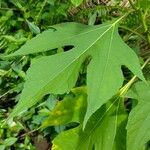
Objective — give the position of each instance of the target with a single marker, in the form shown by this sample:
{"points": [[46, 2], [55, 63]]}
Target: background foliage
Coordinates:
{"points": [[21, 20]]}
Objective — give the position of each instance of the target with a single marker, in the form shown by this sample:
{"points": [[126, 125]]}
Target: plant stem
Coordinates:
{"points": [[39, 14], [30, 132], [143, 18], [144, 24], [5, 94], [125, 88], [133, 31], [143, 21]]}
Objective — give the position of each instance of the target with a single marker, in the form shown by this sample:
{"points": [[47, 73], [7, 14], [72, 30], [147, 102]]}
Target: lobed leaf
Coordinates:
{"points": [[70, 109], [58, 73]]}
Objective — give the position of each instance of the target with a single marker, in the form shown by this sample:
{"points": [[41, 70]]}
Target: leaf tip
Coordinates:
{"points": [[86, 118]]}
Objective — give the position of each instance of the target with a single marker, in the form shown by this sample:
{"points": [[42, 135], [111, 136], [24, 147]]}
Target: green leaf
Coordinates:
{"points": [[2, 72], [105, 130], [92, 18], [10, 141], [139, 119], [34, 29], [2, 147], [70, 109], [58, 73], [76, 2]]}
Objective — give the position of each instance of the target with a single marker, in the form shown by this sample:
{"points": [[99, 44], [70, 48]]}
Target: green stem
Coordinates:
{"points": [[29, 133], [145, 27], [143, 19], [39, 14], [7, 8], [5, 94], [144, 24], [125, 88], [133, 31]]}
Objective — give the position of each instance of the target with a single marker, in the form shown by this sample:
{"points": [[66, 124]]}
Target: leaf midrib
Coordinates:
{"points": [[108, 56]]}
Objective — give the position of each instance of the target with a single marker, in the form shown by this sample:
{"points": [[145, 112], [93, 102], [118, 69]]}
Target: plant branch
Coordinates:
{"points": [[125, 88], [30, 132], [143, 19], [7, 8], [39, 14], [133, 31], [144, 24]]}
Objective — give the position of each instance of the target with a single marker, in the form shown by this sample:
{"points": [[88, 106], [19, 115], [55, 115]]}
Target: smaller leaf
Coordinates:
{"points": [[34, 29], [70, 109], [92, 18], [67, 140], [105, 130], [2, 147], [10, 141], [2, 72]]}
